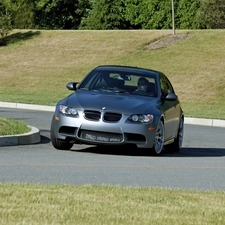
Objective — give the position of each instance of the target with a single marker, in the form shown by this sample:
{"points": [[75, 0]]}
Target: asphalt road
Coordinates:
{"points": [[199, 165]]}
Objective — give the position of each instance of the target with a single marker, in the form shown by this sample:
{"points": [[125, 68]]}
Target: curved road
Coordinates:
{"points": [[199, 165]]}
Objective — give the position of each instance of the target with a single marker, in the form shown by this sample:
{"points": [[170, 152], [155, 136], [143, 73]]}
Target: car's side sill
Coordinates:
{"points": [[169, 141]]}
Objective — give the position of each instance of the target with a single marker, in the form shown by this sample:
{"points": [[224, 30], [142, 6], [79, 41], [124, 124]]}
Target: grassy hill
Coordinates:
{"points": [[36, 65]]}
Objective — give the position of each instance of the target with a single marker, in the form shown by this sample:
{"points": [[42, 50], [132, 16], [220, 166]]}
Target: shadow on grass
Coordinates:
{"points": [[133, 151], [20, 36]]}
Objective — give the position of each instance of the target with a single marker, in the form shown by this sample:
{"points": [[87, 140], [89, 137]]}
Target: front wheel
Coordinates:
{"points": [[177, 144], [60, 145], [159, 139]]}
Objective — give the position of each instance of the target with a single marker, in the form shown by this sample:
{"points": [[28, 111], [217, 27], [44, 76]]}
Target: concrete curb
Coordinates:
{"points": [[33, 136], [27, 106], [205, 122]]}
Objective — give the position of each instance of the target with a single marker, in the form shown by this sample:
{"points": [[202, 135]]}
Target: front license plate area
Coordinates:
{"points": [[101, 137]]}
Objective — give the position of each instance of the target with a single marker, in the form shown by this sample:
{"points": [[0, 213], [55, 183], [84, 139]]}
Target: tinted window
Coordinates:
{"points": [[165, 84], [110, 80]]}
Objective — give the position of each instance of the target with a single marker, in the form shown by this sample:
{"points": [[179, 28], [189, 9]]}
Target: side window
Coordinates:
{"points": [[165, 84]]}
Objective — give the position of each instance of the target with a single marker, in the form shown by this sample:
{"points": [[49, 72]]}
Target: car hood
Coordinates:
{"points": [[114, 102]]}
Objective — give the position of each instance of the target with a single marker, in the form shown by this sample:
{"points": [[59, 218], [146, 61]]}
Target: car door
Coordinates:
{"points": [[170, 109]]}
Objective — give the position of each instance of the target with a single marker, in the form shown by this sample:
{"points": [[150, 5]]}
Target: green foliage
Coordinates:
{"points": [[161, 15], [211, 14], [5, 21], [22, 11], [186, 14], [105, 15], [149, 14], [60, 14], [157, 14], [113, 14], [138, 12], [154, 14]]}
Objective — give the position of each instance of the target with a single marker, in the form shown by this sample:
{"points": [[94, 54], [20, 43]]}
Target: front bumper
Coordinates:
{"points": [[81, 130]]}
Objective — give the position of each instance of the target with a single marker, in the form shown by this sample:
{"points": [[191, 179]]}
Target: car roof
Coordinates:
{"points": [[128, 69]]}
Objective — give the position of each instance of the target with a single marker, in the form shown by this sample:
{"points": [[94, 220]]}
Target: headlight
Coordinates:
{"points": [[141, 118], [67, 110]]}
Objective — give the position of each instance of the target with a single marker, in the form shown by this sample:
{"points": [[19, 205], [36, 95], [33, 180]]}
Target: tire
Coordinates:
{"points": [[61, 145], [177, 144], [56, 143], [159, 139]]}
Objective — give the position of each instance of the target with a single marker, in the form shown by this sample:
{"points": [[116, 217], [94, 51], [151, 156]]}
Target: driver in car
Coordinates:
{"points": [[142, 86]]}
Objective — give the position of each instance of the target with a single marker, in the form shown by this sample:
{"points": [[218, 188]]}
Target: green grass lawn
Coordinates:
{"points": [[11, 126], [36, 65], [95, 205]]}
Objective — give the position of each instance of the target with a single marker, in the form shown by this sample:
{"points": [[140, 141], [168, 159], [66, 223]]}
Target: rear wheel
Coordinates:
{"points": [[159, 139]]}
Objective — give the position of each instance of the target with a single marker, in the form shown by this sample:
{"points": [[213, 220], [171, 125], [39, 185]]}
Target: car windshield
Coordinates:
{"points": [[120, 82]]}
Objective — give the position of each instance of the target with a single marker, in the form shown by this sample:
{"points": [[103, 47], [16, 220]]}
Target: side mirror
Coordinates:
{"points": [[170, 97], [72, 86]]}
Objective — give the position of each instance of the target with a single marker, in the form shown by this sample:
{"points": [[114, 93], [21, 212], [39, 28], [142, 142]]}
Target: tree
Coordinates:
{"points": [[186, 14], [22, 13], [5, 22], [149, 14], [211, 14], [106, 15], [60, 14]]}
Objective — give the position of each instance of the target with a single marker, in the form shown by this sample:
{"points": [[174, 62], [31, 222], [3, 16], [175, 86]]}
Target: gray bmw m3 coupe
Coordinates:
{"points": [[120, 105]]}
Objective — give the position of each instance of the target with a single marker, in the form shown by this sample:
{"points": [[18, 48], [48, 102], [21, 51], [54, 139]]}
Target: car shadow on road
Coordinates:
{"points": [[130, 150], [114, 150], [133, 151], [198, 152], [45, 136]]}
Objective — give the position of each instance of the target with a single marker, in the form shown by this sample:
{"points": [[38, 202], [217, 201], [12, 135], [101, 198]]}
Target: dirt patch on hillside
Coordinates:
{"points": [[168, 40]]}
